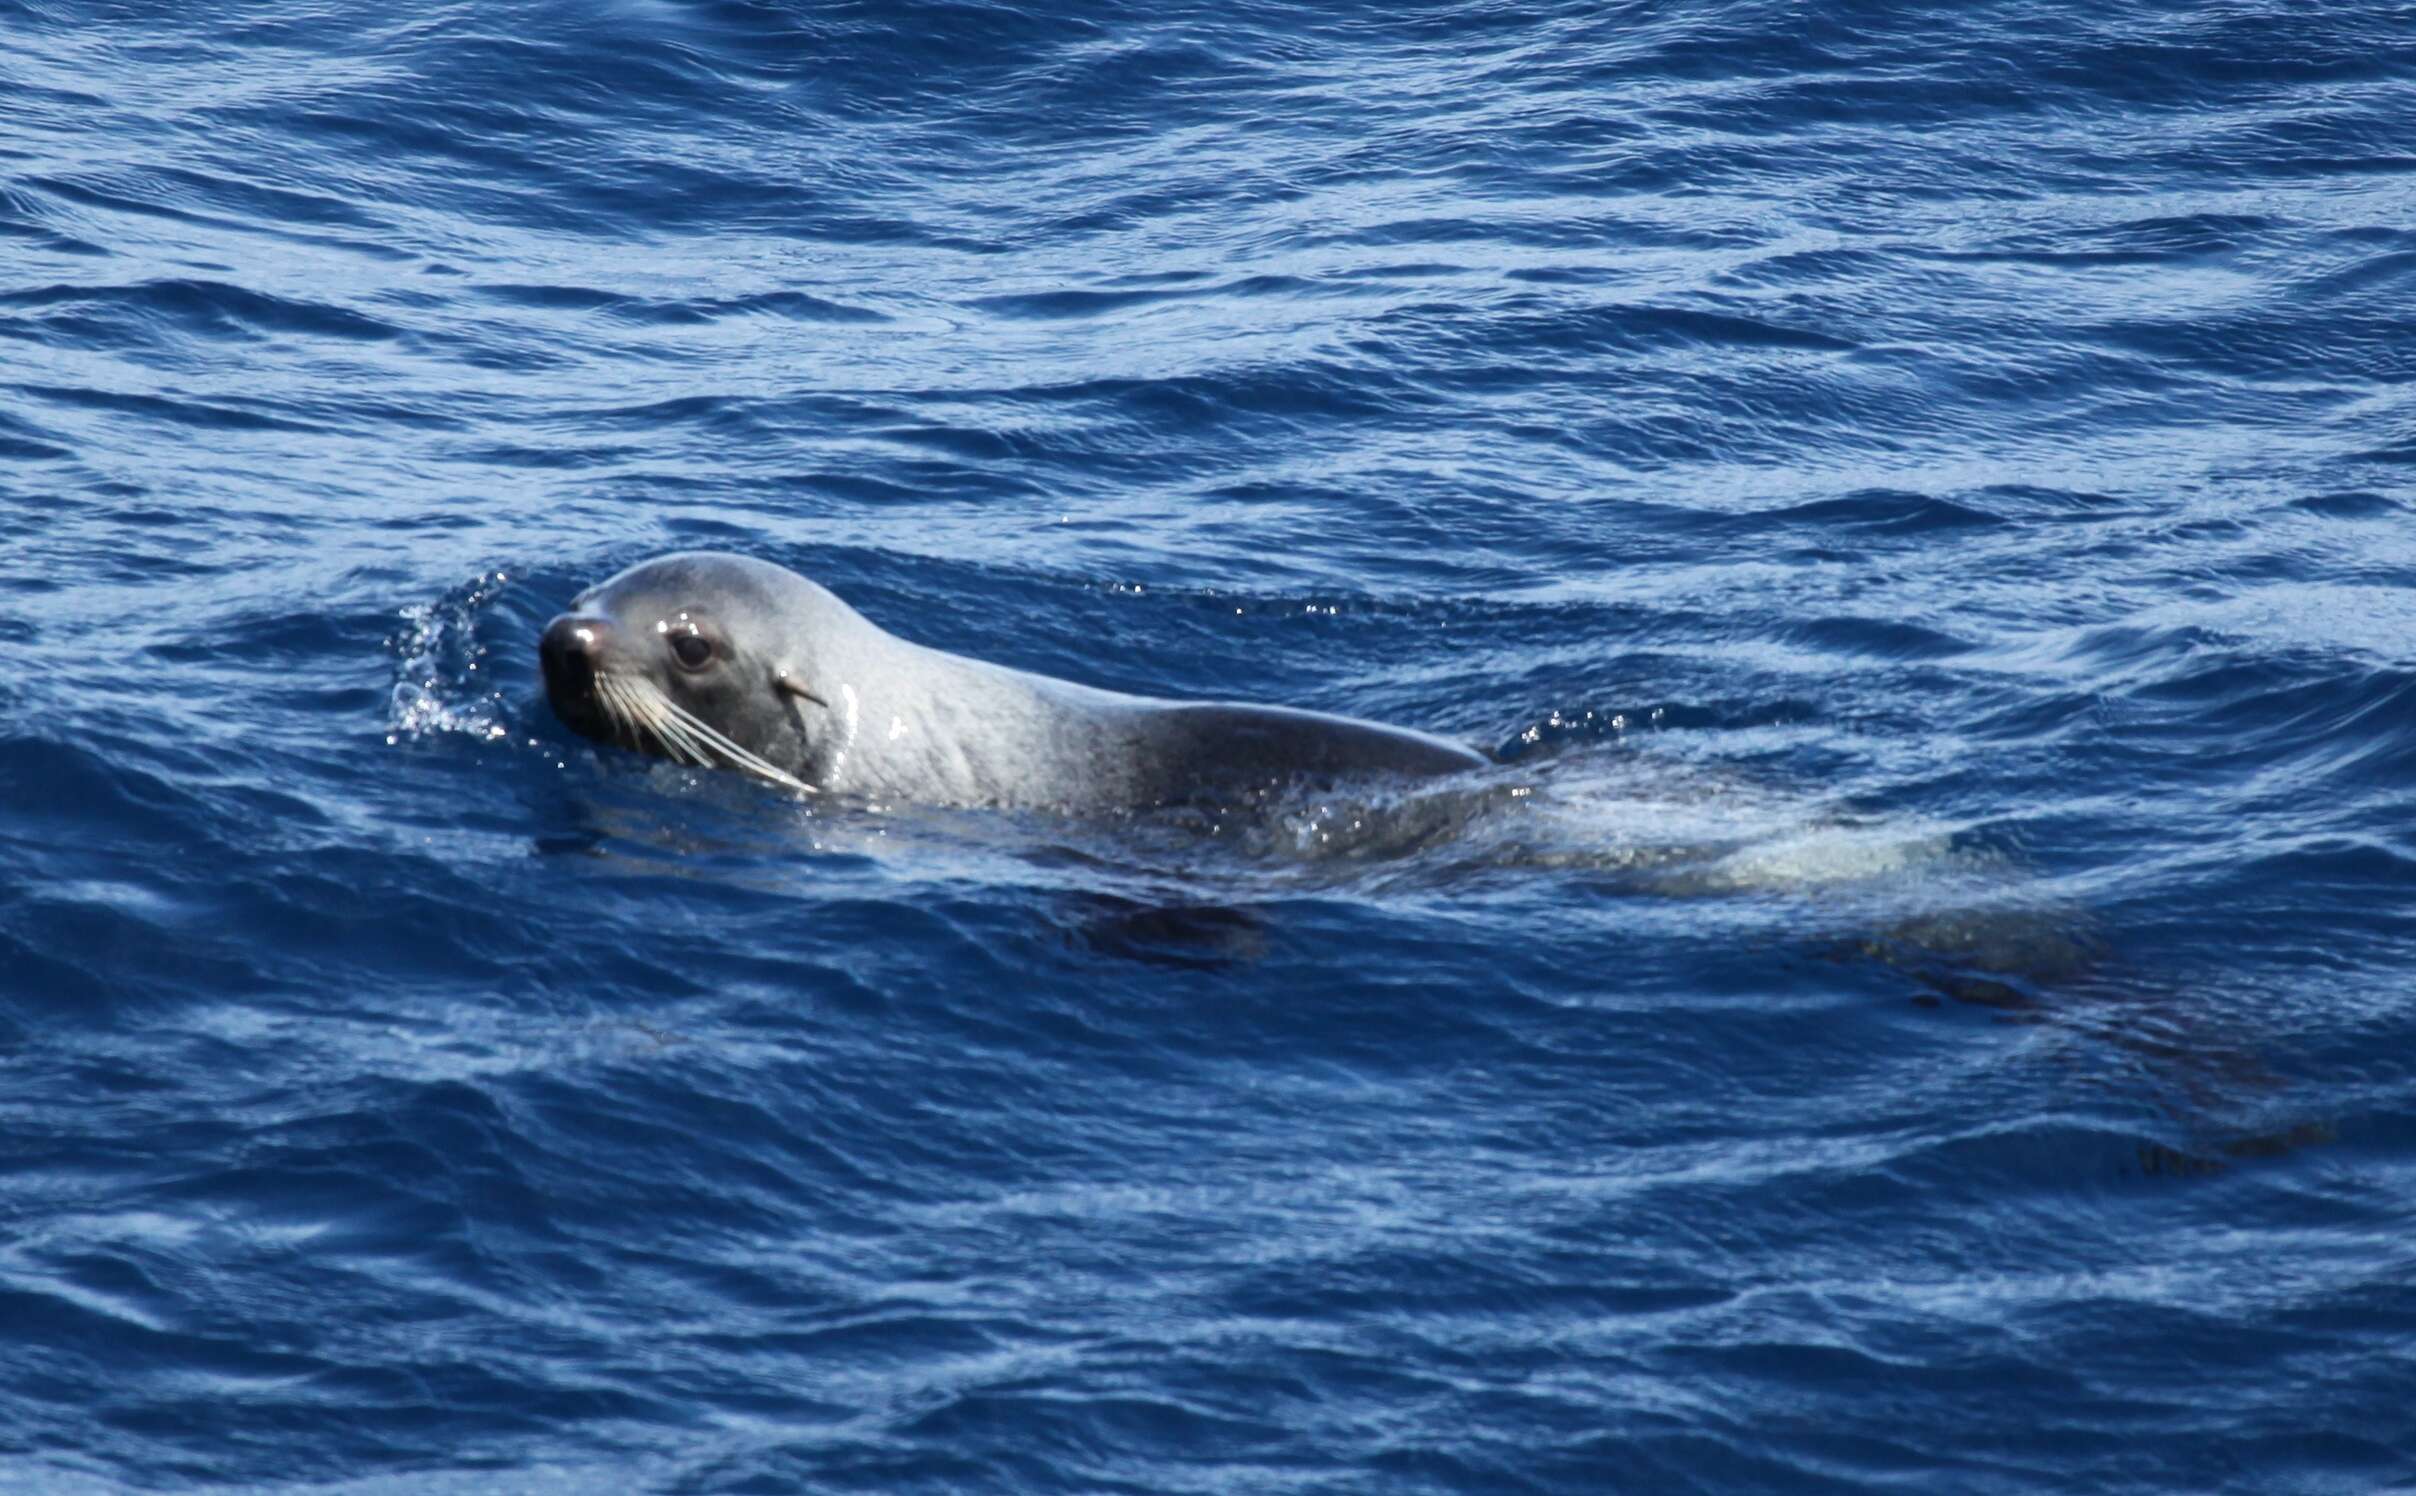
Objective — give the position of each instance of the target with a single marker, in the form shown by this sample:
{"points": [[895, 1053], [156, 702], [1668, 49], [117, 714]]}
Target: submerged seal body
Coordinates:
{"points": [[729, 662]]}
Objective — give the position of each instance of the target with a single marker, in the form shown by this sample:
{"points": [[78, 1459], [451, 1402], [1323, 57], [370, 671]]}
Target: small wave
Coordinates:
{"points": [[223, 414]]}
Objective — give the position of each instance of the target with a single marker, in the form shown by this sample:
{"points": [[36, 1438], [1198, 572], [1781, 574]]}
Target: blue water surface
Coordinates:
{"points": [[1918, 495]]}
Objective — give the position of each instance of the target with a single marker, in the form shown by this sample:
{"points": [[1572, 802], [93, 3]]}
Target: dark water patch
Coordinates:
{"points": [[1726, 329], [2395, 453], [2355, 504], [552, 298], [209, 308], [106, 947], [2384, 272], [2321, 167], [95, 788], [2021, 500], [49, 240], [1883, 512], [263, 639], [571, 456], [502, 356], [1812, 267], [791, 306], [85, 194], [18, 449], [261, 202], [1078, 304], [2272, 347], [188, 413], [1619, 330], [1880, 638], [159, 197], [733, 417], [2146, 241]]}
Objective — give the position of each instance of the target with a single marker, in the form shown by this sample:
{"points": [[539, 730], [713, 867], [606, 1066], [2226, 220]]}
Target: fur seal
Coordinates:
{"points": [[724, 661]]}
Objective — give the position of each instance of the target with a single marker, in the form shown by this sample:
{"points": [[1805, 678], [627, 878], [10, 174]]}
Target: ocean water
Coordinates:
{"points": [[1918, 497]]}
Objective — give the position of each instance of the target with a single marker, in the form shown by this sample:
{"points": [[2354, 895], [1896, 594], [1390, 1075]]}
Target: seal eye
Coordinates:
{"points": [[695, 651]]}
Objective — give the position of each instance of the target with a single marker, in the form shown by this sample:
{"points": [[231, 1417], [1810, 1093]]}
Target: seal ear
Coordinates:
{"points": [[789, 685]]}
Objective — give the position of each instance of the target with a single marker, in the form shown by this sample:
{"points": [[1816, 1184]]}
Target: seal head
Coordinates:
{"points": [[672, 658]]}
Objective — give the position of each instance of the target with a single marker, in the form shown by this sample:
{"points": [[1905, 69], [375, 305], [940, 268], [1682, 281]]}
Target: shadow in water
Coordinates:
{"points": [[1195, 936]]}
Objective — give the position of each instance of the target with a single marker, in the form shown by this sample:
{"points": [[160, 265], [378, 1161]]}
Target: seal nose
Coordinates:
{"points": [[568, 650]]}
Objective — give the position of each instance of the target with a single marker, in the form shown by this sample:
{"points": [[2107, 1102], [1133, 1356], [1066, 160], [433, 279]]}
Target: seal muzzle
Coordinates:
{"points": [[569, 652]]}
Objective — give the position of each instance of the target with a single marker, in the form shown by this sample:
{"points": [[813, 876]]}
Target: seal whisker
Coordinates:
{"points": [[754, 764], [630, 708], [677, 740], [645, 705], [616, 710], [685, 738], [629, 704], [739, 757], [733, 751]]}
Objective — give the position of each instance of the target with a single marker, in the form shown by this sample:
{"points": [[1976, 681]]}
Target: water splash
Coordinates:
{"points": [[443, 680]]}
